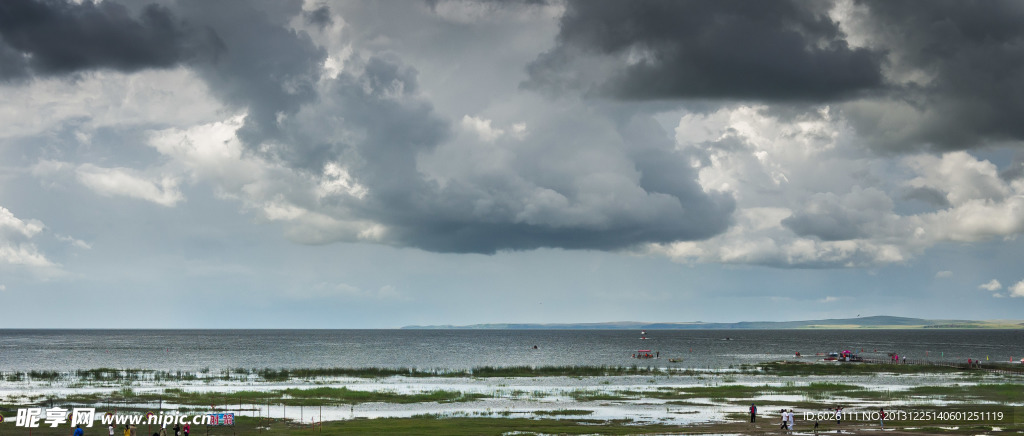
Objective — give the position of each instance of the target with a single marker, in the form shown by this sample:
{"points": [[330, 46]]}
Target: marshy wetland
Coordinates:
{"points": [[541, 400], [495, 382]]}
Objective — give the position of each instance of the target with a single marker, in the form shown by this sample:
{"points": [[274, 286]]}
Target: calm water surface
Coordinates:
{"points": [[457, 349]]}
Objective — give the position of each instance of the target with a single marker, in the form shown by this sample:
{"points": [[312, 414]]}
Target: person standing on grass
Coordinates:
{"points": [[839, 414], [784, 421], [753, 412], [188, 428], [791, 418], [881, 417], [78, 431], [110, 428]]}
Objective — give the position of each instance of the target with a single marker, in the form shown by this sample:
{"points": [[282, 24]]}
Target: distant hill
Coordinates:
{"points": [[867, 322]]}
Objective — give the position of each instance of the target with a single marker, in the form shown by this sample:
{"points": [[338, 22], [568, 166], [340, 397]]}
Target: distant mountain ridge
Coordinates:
{"points": [[844, 323]]}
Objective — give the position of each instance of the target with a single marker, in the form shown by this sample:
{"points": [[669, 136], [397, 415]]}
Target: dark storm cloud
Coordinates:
{"points": [[971, 56], [13, 63], [765, 50], [938, 75], [266, 68], [319, 17], [668, 205], [486, 215], [59, 37], [396, 126]]}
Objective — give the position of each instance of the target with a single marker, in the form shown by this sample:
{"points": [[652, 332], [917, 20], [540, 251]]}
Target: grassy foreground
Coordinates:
{"points": [[425, 425], [465, 426]]}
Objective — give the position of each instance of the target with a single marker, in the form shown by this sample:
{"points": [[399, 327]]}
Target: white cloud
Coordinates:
{"points": [[49, 168], [975, 220], [74, 242], [106, 98], [212, 153], [1017, 290], [829, 299], [482, 127], [809, 194], [125, 182], [336, 180], [519, 130], [959, 175], [16, 246], [992, 286], [23, 254], [12, 224], [944, 274], [3, 288]]}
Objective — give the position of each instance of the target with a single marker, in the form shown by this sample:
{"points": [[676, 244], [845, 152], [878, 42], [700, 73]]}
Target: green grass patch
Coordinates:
{"points": [[590, 395], [999, 393], [347, 396], [486, 426], [789, 369], [563, 412]]}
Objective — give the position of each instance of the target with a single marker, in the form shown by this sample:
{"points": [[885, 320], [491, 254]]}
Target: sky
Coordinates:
{"points": [[367, 164]]}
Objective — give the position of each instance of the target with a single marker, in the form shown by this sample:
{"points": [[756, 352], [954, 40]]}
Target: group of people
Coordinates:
{"points": [[130, 430], [789, 418], [657, 354]]}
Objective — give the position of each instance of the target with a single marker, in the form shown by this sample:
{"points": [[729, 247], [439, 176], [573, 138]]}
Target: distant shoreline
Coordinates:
{"points": [[870, 322]]}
